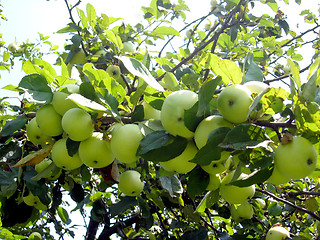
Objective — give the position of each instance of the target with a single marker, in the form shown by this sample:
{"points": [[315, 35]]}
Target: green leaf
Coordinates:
{"points": [[198, 234], [37, 86], [309, 89], [273, 5], [245, 136], [255, 177], [295, 73], [87, 90], [211, 151], [137, 114], [272, 101], [138, 69], [113, 38], [125, 204], [72, 146], [208, 200], [159, 146], [206, 93], [13, 125], [254, 72], [172, 184], [163, 30], [63, 214], [197, 183], [96, 76], [191, 119], [91, 14], [86, 103]]}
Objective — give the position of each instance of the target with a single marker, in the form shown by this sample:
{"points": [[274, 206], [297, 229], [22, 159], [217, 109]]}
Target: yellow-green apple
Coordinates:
{"points": [[150, 112], [213, 3], [128, 47], [61, 157], [114, 71], [256, 86], [34, 201], [52, 174], [218, 166], [77, 123], [35, 236], [214, 182], [234, 194], [78, 57], [130, 183], [49, 121], [189, 33], [35, 134], [233, 103], [12, 47], [296, 159], [125, 142], [182, 164], [207, 26], [277, 233], [172, 112], [95, 152], [61, 104], [206, 126], [277, 178], [241, 211]]}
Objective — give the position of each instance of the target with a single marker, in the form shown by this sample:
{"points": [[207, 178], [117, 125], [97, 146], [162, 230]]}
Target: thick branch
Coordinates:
{"points": [[312, 214]]}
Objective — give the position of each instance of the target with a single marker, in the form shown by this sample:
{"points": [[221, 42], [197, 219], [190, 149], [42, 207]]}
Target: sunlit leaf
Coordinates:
{"points": [[35, 157]]}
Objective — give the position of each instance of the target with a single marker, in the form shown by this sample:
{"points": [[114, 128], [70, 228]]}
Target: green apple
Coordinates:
{"points": [[277, 178], [182, 164], [20, 51], [213, 3], [114, 71], [61, 157], [35, 134], [35, 236], [95, 152], [218, 166], [172, 112], [125, 142], [241, 211], [61, 104], [206, 126], [34, 201], [130, 183], [256, 86], [234, 102], [234, 194], [189, 33], [49, 121], [214, 182], [12, 47], [128, 47], [207, 26], [277, 233], [77, 123], [296, 159], [78, 58], [52, 172], [150, 112]]}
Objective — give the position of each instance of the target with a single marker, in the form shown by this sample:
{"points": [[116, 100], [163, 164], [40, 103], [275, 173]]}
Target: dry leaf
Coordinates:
{"points": [[34, 158]]}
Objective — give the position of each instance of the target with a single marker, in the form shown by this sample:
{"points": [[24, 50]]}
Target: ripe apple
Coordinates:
{"points": [[234, 194], [35, 236], [181, 163], [114, 71], [277, 178], [34, 201], [77, 123], [214, 182], [206, 126], [95, 152], [61, 104], [35, 134], [128, 47], [296, 159], [241, 211], [62, 159], [256, 86], [125, 142], [49, 121], [234, 102], [150, 112], [130, 183], [12, 47], [277, 233], [172, 112]]}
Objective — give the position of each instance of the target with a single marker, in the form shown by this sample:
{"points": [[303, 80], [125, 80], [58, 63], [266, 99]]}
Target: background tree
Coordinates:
{"points": [[206, 132]]}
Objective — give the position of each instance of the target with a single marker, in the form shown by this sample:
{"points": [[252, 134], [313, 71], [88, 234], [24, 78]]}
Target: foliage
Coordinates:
{"points": [[236, 48]]}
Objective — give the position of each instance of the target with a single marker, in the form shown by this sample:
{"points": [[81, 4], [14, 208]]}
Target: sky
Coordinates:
{"points": [[47, 17]]}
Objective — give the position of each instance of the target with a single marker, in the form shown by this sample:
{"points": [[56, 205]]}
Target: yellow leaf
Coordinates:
{"points": [[34, 158]]}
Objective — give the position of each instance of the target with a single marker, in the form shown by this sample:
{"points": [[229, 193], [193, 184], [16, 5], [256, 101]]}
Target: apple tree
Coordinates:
{"points": [[208, 131]]}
